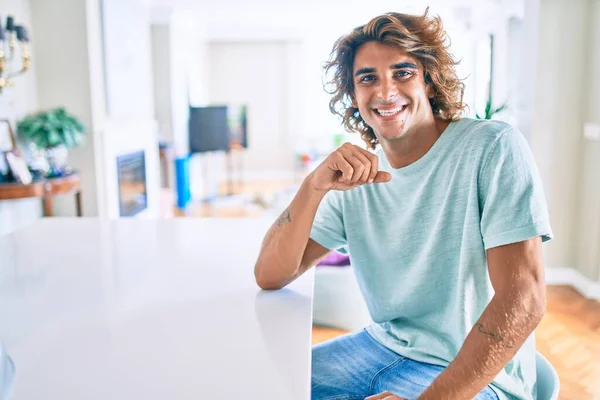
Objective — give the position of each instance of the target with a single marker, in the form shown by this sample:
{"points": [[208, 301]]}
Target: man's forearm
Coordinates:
{"points": [[284, 244], [500, 331]]}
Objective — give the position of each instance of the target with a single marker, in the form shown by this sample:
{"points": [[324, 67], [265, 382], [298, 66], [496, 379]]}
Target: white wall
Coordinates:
{"points": [[130, 124], [527, 60], [127, 59], [189, 72], [588, 228], [556, 137], [69, 47], [261, 82], [161, 48], [15, 103], [566, 98]]}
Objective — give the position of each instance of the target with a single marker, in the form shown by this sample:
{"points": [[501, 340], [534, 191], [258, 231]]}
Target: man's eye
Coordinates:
{"points": [[367, 78], [403, 74]]}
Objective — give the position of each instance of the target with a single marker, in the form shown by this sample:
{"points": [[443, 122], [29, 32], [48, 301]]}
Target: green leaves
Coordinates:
{"points": [[48, 129], [490, 111]]}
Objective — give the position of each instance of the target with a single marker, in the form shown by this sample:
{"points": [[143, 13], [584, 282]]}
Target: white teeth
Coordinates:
{"points": [[386, 113]]}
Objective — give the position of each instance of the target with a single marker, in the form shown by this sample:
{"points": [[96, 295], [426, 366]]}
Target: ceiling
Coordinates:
{"points": [[315, 3], [306, 13], [343, 6]]}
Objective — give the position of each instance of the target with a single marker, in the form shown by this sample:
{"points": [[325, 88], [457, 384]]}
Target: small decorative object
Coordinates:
{"points": [[11, 135], [4, 169], [7, 174], [55, 131], [18, 168], [9, 36]]}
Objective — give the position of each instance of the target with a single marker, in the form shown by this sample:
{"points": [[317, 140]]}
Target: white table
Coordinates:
{"points": [[135, 309]]}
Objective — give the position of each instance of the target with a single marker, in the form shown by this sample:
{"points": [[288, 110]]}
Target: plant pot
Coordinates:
{"points": [[57, 161]]}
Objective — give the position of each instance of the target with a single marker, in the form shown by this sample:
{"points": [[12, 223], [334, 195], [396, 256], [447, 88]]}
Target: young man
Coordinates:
{"points": [[443, 224]]}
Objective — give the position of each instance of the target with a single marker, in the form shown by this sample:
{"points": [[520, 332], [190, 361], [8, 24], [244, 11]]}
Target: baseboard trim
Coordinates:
{"points": [[572, 277]]}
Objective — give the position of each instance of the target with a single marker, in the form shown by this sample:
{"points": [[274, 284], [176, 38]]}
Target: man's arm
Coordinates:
{"points": [[283, 253], [287, 251], [517, 275]]}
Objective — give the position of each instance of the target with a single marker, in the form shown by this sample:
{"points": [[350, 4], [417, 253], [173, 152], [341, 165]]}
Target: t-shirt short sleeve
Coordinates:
{"points": [[328, 226], [511, 197]]}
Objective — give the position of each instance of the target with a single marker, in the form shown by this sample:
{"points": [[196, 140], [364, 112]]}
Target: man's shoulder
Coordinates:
{"points": [[483, 133]]}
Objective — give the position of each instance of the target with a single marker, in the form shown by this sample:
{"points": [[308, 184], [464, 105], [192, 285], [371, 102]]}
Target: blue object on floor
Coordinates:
{"points": [[182, 178], [548, 384]]}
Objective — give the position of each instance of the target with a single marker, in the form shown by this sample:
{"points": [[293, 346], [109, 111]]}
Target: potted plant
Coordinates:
{"points": [[52, 131], [490, 109]]}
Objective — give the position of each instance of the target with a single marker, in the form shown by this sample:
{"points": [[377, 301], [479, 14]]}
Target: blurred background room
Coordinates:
{"points": [[162, 109]]}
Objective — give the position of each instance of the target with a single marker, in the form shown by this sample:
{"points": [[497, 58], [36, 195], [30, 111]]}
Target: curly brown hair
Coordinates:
{"points": [[423, 38]]}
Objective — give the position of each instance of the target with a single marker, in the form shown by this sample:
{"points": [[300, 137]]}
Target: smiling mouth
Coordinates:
{"points": [[390, 112]]}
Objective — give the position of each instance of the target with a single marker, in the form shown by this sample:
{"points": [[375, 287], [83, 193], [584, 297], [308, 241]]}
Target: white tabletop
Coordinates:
{"points": [[135, 309]]}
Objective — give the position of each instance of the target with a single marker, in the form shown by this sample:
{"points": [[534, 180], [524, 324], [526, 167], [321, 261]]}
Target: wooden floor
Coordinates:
{"points": [[258, 195], [568, 336]]}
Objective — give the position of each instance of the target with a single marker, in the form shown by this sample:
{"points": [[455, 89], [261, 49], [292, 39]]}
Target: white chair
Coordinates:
{"points": [[548, 384], [338, 302]]}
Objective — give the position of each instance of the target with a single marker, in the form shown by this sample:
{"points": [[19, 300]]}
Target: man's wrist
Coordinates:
{"points": [[309, 187]]}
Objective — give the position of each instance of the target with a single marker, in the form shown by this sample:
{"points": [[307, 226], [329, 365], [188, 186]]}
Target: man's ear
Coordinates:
{"points": [[429, 84], [354, 104], [430, 91]]}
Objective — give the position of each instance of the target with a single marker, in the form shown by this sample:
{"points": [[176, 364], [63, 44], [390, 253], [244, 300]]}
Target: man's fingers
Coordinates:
{"points": [[345, 168], [358, 165], [364, 178], [345, 153], [350, 154], [374, 163], [366, 159], [382, 177]]}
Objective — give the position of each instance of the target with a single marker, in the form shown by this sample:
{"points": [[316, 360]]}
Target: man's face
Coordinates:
{"points": [[390, 91]]}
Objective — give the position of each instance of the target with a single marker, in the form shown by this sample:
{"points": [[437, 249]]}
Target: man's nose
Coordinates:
{"points": [[388, 90]]}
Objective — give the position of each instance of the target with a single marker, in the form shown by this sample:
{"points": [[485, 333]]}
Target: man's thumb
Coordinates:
{"points": [[382, 177]]}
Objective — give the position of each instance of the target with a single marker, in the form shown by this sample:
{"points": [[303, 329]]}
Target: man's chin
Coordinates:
{"points": [[390, 135]]}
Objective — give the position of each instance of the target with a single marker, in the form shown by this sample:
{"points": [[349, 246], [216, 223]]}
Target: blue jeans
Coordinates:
{"points": [[356, 366]]}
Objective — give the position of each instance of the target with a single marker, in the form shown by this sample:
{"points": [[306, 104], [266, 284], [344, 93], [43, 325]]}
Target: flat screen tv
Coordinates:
{"points": [[209, 129], [217, 128]]}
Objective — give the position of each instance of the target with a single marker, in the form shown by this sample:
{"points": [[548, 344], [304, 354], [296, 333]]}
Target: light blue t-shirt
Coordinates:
{"points": [[418, 243]]}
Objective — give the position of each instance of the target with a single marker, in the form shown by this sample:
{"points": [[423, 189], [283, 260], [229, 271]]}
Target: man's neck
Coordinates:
{"points": [[415, 144]]}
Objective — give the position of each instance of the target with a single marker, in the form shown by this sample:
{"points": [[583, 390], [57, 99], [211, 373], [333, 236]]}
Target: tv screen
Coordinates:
{"points": [[209, 129]]}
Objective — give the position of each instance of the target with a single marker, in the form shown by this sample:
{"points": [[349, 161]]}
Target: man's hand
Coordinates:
{"points": [[385, 396], [346, 168]]}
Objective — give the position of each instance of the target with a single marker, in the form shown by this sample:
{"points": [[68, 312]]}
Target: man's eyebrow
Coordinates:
{"points": [[395, 66], [365, 71], [404, 65]]}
